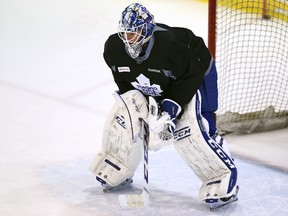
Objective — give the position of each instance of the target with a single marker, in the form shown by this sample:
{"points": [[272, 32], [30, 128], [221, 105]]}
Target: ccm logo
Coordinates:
{"points": [[221, 154], [182, 133]]}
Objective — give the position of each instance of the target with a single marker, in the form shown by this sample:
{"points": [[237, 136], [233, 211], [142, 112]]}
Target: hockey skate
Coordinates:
{"points": [[108, 188], [217, 203]]}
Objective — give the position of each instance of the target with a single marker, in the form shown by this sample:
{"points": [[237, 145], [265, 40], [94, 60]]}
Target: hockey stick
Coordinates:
{"points": [[139, 200]]}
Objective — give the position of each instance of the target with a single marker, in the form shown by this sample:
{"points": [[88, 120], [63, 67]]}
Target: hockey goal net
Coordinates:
{"points": [[249, 41]]}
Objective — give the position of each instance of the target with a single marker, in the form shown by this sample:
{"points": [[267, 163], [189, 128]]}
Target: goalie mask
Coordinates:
{"points": [[135, 28]]}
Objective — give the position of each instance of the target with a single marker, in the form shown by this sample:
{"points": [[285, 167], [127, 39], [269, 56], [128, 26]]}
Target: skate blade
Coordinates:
{"points": [[119, 187], [217, 206]]}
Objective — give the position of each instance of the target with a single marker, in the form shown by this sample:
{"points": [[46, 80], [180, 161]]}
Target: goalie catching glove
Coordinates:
{"points": [[162, 124]]}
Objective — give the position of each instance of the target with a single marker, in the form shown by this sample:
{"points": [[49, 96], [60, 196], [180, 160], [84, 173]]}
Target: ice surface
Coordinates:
{"points": [[55, 92]]}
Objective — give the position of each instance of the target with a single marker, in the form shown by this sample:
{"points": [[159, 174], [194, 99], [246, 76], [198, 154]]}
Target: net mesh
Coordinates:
{"points": [[252, 62]]}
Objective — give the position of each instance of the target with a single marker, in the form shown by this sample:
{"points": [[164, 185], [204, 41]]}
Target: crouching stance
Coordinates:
{"points": [[174, 69]]}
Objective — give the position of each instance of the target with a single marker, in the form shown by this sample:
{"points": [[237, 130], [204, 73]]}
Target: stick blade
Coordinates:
{"points": [[133, 200]]}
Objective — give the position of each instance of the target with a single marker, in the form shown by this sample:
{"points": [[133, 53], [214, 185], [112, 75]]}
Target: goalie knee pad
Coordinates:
{"points": [[121, 150], [203, 154]]}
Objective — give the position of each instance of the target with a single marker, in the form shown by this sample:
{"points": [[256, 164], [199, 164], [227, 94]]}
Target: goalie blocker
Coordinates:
{"points": [[122, 152]]}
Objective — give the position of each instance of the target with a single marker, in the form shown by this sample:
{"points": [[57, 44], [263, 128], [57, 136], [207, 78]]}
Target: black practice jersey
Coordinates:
{"points": [[173, 65]]}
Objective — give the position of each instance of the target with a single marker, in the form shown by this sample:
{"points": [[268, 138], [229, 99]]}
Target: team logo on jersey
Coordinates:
{"points": [[145, 87], [123, 69]]}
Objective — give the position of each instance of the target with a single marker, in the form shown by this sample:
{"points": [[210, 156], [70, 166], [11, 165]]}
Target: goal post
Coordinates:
{"points": [[249, 41]]}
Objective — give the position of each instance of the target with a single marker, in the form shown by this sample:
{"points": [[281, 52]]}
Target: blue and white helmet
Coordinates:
{"points": [[135, 28]]}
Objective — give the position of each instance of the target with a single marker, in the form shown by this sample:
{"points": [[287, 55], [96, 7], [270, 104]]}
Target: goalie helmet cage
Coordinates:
{"points": [[249, 42]]}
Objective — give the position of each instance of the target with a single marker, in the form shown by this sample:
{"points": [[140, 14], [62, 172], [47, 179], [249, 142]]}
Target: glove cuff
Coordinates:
{"points": [[171, 107]]}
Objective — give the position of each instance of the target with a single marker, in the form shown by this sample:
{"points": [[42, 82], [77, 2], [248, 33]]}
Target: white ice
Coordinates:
{"points": [[55, 93]]}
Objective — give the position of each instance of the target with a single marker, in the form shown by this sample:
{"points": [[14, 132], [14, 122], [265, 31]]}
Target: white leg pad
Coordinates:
{"points": [[203, 155], [122, 148]]}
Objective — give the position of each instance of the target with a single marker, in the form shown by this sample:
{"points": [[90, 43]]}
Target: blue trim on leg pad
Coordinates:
{"points": [[216, 148]]}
